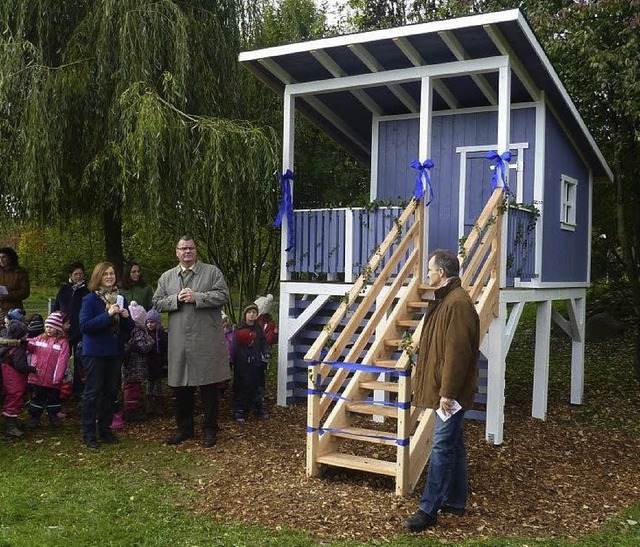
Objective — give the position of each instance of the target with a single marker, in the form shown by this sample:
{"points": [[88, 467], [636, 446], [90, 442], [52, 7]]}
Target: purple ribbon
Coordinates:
{"points": [[286, 206], [500, 171], [423, 181]]}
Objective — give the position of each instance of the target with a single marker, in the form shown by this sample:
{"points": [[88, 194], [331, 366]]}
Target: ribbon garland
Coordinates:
{"points": [[423, 181], [286, 206], [500, 170]]}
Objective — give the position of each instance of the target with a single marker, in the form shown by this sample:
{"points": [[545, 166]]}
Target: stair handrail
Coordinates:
{"points": [[314, 352]]}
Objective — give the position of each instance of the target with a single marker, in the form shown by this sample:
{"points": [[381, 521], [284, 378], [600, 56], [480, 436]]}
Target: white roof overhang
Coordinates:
{"points": [[340, 83]]}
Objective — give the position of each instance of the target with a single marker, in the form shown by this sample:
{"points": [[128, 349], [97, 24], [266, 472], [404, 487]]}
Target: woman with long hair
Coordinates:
{"points": [[134, 287], [104, 323]]}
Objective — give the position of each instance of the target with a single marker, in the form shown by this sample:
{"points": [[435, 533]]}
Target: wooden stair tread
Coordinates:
{"points": [[385, 363], [373, 410], [393, 342], [383, 386], [411, 323], [418, 304], [366, 435], [361, 463]]}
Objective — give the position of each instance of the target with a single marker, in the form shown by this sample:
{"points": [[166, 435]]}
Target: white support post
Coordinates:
{"points": [[286, 299], [288, 137], [496, 357], [538, 183], [348, 246], [541, 362], [577, 317], [424, 152], [504, 133]]}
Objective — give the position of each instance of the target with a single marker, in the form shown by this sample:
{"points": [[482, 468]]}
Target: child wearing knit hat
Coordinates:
{"points": [[135, 371], [249, 367], [50, 357], [157, 361]]}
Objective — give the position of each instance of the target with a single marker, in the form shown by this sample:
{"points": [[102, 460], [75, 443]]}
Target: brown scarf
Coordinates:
{"points": [[109, 298]]}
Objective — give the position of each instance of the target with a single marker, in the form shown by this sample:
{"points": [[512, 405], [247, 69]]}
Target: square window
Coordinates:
{"points": [[568, 202]]}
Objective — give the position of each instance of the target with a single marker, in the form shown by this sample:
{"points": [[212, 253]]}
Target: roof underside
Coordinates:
{"points": [[347, 114]]}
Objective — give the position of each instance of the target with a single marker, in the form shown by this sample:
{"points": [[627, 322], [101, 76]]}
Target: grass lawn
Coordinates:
{"points": [[54, 492]]}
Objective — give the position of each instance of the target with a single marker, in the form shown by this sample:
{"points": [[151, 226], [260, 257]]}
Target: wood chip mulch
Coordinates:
{"points": [[549, 479]]}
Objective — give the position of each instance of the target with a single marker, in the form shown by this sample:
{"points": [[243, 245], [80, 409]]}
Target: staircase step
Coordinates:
{"points": [[410, 323], [382, 386], [366, 435], [426, 289], [361, 463], [373, 410], [393, 342], [418, 304], [385, 363]]}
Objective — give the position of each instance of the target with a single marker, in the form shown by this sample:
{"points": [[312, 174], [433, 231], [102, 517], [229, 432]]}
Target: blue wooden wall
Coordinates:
{"points": [[398, 145], [571, 246]]}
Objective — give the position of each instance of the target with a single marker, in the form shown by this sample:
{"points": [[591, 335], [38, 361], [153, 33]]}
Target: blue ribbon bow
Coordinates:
{"points": [[286, 206], [423, 181], [500, 171]]}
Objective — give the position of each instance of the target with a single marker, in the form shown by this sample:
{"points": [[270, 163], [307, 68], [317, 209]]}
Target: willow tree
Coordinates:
{"points": [[113, 107]]}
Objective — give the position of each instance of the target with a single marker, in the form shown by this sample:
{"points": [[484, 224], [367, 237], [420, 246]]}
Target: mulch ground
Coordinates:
{"points": [[548, 479]]}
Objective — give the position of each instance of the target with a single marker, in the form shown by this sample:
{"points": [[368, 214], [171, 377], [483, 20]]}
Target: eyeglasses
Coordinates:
{"points": [[186, 248]]}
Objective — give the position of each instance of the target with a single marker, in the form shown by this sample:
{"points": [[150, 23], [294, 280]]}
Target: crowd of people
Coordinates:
{"points": [[103, 347]]}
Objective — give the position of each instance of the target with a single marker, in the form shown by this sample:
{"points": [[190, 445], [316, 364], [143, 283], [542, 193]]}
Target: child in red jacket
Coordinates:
{"points": [[50, 357], [14, 375]]}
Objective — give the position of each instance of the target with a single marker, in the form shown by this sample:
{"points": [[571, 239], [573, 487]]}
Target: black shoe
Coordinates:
{"points": [[180, 436], [91, 442], [109, 437], [457, 511], [419, 521], [209, 439]]}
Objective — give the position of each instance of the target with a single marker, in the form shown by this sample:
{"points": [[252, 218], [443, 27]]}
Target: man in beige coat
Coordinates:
{"points": [[445, 380], [193, 293]]}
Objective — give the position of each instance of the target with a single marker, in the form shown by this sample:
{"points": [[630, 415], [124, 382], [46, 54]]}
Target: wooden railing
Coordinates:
{"points": [[375, 333]]}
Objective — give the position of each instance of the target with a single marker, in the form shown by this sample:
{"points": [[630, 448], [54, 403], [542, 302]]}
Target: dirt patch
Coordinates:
{"points": [[549, 479]]}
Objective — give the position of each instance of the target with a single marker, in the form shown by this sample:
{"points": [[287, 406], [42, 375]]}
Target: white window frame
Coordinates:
{"points": [[568, 202]]}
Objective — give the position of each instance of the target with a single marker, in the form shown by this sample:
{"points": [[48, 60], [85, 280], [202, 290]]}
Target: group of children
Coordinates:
{"points": [[35, 365], [35, 361]]}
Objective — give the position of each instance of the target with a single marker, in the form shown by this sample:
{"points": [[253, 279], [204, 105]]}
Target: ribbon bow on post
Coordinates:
{"points": [[286, 206], [500, 170], [423, 181]]}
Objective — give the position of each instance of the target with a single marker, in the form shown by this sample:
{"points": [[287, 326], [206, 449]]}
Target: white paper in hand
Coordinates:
{"points": [[444, 416]]}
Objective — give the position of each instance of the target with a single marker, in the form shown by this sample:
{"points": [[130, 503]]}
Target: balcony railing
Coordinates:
{"points": [[339, 242]]}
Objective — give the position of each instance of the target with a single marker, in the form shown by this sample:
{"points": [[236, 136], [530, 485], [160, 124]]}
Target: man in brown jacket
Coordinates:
{"points": [[445, 380]]}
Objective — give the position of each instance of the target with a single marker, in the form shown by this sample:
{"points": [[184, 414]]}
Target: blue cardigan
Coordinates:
{"points": [[98, 337]]}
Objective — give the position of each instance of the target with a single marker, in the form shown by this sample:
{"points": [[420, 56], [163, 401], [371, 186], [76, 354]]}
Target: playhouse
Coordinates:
{"points": [[477, 103]]}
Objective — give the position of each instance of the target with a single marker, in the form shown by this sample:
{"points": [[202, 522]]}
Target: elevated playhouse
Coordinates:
{"points": [[353, 293]]}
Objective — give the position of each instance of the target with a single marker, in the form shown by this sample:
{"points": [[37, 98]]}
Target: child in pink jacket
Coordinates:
{"points": [[50, 357]]}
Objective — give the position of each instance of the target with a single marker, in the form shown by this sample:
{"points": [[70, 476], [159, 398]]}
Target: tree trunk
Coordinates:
{"points": [[112, 226]]}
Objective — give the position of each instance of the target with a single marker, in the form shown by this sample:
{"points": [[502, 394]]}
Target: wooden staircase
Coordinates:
{"points": [[359, 412]]}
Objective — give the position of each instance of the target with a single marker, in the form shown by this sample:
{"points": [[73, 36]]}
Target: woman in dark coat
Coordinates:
{"points": [[134, 287], [69, 301], [105, 324]]}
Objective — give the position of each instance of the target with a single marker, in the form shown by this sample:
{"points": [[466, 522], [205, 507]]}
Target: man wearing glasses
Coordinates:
{"points": [[193, 293]]}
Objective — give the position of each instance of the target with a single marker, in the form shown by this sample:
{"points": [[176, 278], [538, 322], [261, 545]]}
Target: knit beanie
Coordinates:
{"points": [[16, 329], [153, 315], [252, 306], [36, 325], [17, 314], [137, 312], [55, 320], [264, 303]]}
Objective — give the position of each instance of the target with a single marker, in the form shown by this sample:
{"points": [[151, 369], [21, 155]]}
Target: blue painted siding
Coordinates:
{"points": [[565, 253], [398, 145]]}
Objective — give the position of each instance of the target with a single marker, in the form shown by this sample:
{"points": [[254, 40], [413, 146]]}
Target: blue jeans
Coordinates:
{"points": [[102, 382], [447, 477]]}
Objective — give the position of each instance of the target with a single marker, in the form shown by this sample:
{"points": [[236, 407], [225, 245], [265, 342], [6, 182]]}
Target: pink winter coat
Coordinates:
{"points": [[51, 359]]}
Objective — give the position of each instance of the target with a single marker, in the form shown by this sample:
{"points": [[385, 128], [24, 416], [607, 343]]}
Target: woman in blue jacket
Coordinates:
{"points": [[105, 324]]}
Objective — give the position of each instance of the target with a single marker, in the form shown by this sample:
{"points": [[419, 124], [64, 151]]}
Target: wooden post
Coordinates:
{"points": [[541, 362], [424, 150]]}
